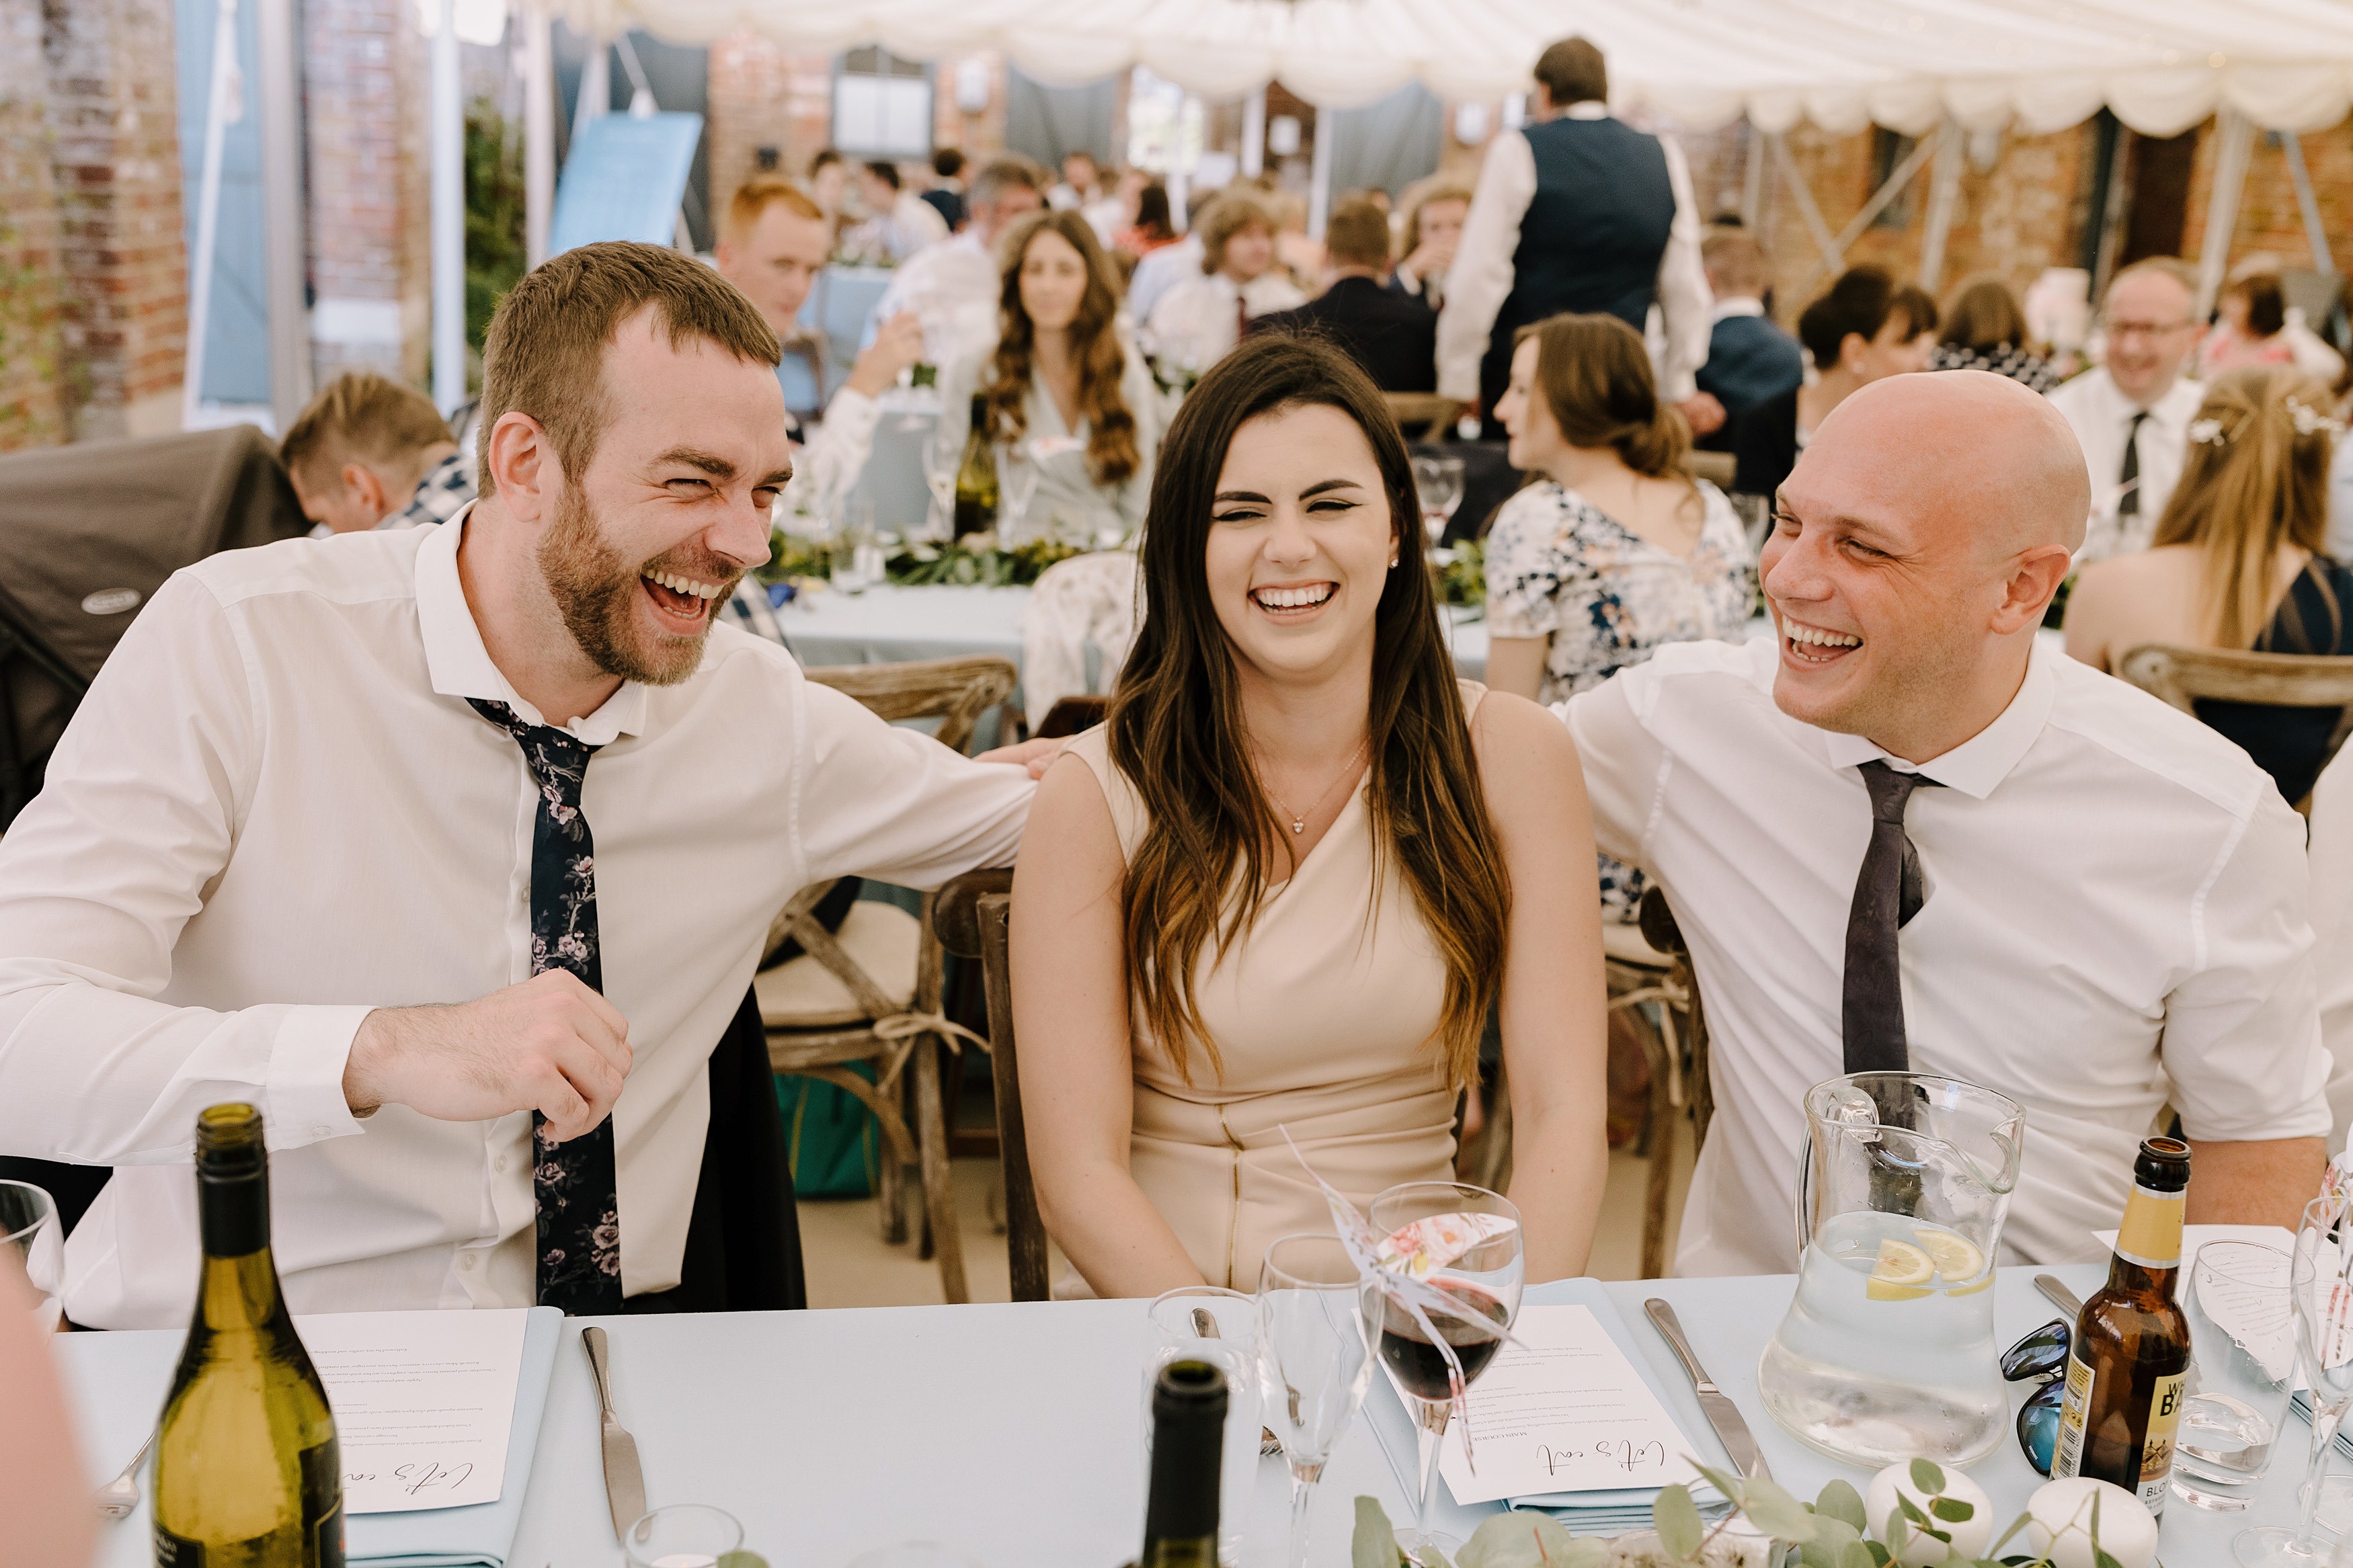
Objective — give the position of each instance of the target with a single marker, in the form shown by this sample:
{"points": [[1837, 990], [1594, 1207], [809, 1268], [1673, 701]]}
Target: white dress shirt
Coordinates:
{"points": [[954, 287], [1480, 278], [274, 811], [1196, 325], [1160, 271], [2100, 415], [2115, 922], [2332, 932]]}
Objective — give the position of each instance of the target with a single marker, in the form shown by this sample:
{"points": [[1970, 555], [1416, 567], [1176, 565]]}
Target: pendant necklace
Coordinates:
{"points": [[1298, 818]]}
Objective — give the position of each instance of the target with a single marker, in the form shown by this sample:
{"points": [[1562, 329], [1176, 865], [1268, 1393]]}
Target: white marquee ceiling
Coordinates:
{"points": [[2033, 65]]}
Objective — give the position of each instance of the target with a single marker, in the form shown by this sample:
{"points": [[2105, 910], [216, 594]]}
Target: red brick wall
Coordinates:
{"points": [[33, 411], [365, 87], [978, 135], [116, 172], [2269, 219], [763, 96]]}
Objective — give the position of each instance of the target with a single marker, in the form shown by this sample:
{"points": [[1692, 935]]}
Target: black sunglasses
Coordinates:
{"points": [[2040, 1357]]}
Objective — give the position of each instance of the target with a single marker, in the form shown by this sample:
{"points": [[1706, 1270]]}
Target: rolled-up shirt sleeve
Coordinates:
{"points": [[2241, 1044], [1685, 300], [879, 800], [1623, 762], [143, 797]]}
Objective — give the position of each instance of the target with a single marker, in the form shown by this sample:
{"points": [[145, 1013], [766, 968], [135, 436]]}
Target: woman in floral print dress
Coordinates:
{"points": [[1613, 549]]}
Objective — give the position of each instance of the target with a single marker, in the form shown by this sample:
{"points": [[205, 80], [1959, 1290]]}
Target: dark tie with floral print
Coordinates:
{"points": [[1888, 893], [579, 1211]]}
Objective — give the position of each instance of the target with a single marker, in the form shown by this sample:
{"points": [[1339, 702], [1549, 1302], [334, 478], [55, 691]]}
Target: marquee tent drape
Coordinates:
{"points": [[2035, 65]]}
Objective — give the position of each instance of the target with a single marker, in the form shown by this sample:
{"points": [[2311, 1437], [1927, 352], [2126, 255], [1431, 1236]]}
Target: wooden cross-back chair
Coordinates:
{"points": [[972, 917], [2186, 676], [1648, 970], [1421, 416], [870, 993]]}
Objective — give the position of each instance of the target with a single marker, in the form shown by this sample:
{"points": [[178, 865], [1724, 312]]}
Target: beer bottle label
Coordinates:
{"points": [[2157, 1449], [2151, 1233], [2067, 1459]]}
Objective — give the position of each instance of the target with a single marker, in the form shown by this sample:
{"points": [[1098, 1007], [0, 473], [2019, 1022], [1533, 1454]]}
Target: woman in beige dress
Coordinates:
{"points": [[1283, 885]]}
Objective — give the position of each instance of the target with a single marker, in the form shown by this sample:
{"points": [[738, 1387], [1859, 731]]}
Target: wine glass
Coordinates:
{"points": [[683, 1535], [943, 456], [1485, 1276], [1017, 482], [28, 1224], [1316, 1363], [1437, 481], [2322, 1284], [1208, 1323]]}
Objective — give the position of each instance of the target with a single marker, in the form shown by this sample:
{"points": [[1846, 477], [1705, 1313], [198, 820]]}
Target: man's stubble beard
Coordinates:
{"points": [[595, 587]]}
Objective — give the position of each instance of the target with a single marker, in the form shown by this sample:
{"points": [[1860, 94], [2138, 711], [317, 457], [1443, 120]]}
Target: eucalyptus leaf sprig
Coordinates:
{"points": [[1828, 1533]]}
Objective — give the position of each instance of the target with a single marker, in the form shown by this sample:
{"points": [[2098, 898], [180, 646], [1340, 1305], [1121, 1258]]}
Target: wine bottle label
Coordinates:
{"points": [[2157, 1449], [2151, 1234], [321, 1538], [2067, 1459]]}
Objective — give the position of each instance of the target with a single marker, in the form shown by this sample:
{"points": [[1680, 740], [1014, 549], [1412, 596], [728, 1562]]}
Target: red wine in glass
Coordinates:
{"points": [[1420, 1369]]}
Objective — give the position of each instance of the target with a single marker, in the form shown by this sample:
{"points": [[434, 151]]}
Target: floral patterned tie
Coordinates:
{"points": [[579, 1212]]}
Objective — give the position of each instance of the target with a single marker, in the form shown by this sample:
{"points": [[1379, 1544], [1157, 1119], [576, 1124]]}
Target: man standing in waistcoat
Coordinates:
{"points": [[1576, 212]]}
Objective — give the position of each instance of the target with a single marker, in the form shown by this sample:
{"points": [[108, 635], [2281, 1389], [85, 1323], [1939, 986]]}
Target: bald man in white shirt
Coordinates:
{"points": [[2100, 910], [454, 848]]}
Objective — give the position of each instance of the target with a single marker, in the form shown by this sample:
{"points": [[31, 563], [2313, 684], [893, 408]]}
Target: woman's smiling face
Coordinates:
{"points": [[1301, 542]]}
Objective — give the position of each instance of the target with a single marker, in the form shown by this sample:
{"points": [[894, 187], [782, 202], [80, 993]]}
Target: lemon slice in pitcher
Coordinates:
{"points": [[1956, 1259], [1903, 1273]]}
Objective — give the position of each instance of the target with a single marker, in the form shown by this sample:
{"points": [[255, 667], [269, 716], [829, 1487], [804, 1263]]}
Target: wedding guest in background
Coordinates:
{"points": [[898, 222], [1151, 228], [1298, 254], [1749, 360], [44, 1496], [1866, 326], [485, 1057], [1615, 549], [1170, 265], [1576, 211], [1985, 329], [368, 452], [1081, 184], [1393, 338], [1066, 394], [952, 287], [1900, 833], [1290, 875], [2256, 328], [946, 194], [2131, 414], [828, 182], [1199, 320], [1435, 209], [2240, 561]]}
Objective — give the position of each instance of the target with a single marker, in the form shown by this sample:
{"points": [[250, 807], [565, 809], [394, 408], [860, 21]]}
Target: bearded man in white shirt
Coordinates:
{"points": [[1903, 832], [2132, 412], [427, 842]]}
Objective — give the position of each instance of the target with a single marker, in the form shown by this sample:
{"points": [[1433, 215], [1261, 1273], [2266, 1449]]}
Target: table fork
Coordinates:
{"points": [[120, 1497]]}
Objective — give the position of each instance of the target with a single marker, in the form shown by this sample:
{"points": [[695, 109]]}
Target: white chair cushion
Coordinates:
{"points": [[1625, 944], [802, 993]]}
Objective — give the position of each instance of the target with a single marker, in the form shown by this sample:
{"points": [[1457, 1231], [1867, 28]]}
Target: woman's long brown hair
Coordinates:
{"points": [[2254, 486], [1112, 454], [1177, 732]]}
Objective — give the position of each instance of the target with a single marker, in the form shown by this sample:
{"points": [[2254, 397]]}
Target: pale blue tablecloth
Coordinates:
{"points": [[1015, 1431]]}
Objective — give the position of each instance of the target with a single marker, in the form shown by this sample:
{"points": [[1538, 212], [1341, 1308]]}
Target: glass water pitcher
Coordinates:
{"points": [[1888, 1350]]}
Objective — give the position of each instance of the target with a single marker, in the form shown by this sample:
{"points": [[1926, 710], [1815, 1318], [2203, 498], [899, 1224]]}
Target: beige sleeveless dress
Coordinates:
{"points": [[1325, 1020]]}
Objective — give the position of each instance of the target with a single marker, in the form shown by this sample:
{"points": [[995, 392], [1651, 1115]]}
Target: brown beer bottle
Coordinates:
{"points": [[2129, 1355]]}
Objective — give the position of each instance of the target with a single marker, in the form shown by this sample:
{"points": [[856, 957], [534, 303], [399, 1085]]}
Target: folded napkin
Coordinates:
{"points": [[482, 1535], [1611, 1512]]}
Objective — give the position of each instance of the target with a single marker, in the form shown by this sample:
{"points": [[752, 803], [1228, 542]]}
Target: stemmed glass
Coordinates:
{"points": [[1316, 1363], [1017, 482], [2322, 1284], [28, 1224], [1437, 481], [1484, 1277], [1206, 1322], [943, 456]]}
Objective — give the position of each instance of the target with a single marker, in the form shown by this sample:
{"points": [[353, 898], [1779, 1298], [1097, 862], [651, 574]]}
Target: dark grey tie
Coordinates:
{"points": [[2129, 476], [1887, 893]]}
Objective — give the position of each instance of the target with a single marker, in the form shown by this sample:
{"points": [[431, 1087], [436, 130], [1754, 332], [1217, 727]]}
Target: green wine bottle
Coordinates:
{"points": [[246, 1470], [1188, 1425], [975, 485]]}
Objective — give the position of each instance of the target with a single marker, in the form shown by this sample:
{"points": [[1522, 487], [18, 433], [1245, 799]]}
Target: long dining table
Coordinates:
{"points": [[1013, 1433]]}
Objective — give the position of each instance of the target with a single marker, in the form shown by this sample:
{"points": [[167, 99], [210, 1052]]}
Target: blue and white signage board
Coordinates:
{"points": [[624, 180]]}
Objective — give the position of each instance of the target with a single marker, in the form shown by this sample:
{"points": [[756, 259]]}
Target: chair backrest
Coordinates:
{"points": [[955, 691], [1421, 415], [1660, 930], [973, 918], [1717, 467], [2184, 676]]}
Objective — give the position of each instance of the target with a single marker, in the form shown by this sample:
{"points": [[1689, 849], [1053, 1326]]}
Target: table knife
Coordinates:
{"points": [[1714, 1402], [2060, 1297], [624, 1482]]}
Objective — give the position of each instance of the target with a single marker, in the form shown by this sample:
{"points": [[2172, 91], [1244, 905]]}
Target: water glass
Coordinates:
{"points": [[2243, 1336], [1438, 483], [1017, 485], [28, 1223], [2321, 1283], [1317, 1360], [684, 1535], [1202, 1322], [857, 553]]}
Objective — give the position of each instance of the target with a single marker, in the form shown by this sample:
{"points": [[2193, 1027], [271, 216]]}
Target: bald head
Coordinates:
{"points": [[1914, 548], [1965, 450]]}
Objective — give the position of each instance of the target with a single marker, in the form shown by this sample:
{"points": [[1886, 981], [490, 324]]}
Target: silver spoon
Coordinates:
{"points": [[118, 1498]]}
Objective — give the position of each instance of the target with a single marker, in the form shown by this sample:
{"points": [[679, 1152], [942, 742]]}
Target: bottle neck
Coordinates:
{"points": [[239, 1284], [1180, 1515]]}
